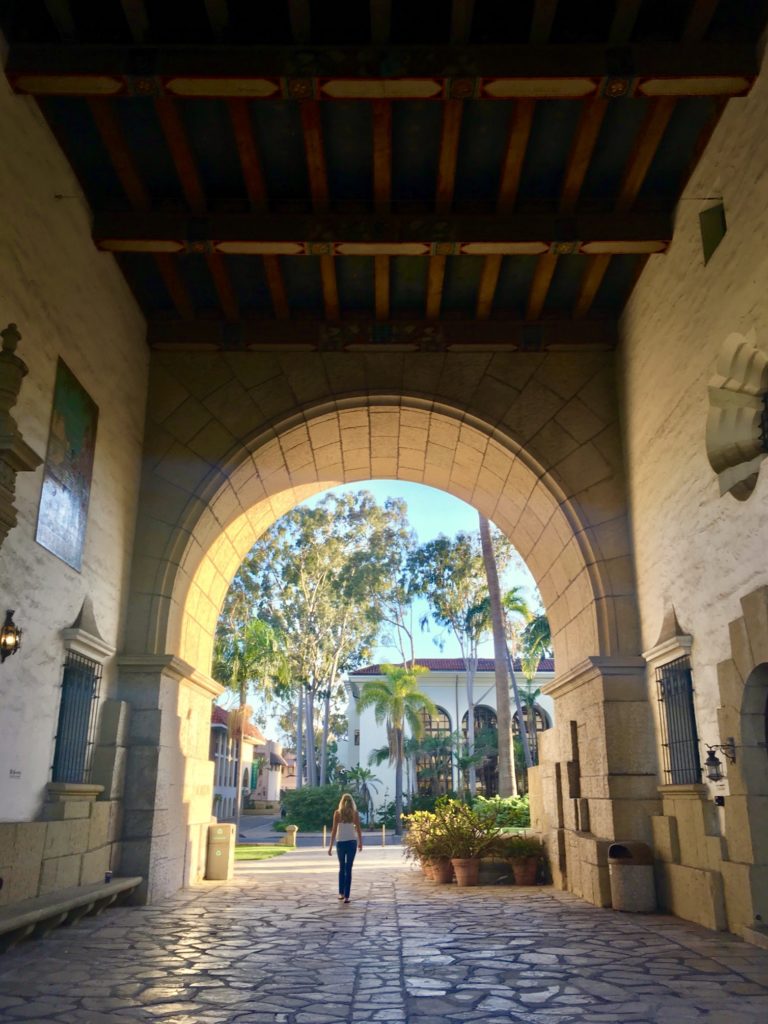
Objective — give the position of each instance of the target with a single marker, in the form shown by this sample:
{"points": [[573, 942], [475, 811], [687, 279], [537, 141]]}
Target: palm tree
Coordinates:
{"points": [[397, 700], [536, 644], [515, 604], [365, 784]]}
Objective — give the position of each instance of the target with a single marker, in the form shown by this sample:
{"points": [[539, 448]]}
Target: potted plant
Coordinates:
{"points": [[524, 853], [466, 837], [424, 841]]}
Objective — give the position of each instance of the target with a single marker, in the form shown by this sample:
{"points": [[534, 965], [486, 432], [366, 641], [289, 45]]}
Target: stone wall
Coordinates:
{"points": [[69, 301], [697, 550]]}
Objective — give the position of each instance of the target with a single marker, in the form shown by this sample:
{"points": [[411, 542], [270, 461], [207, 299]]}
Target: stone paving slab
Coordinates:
{"points": [[275, 947]]}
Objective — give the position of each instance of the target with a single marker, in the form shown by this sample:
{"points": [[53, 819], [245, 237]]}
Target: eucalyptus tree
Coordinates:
{"points": [[397, 700], [450, 574], [319, 576]]}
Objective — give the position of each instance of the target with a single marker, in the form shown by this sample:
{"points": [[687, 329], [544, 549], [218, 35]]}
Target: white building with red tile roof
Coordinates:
{"points": [[445, 683]]}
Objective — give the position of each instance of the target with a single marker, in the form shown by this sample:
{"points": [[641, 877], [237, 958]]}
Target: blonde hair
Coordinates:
{"points": [[347, 808]]}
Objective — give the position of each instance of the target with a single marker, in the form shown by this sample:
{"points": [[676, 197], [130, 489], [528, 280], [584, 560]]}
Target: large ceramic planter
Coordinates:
{"points": [[525, 870], [466, 869], [442, 870], [428, 868]]}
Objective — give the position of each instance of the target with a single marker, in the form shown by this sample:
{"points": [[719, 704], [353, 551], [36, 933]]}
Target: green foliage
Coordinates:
{"points": [[386, 815], [427, 801], [509, 812], [463, 833], [312, 807], [518, 847]]}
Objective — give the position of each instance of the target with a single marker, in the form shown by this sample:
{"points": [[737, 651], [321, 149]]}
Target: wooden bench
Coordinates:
{"points": [[36, 917]]}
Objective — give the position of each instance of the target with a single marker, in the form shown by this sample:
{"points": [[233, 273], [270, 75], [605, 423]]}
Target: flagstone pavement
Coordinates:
{"points": [[275, 947]]}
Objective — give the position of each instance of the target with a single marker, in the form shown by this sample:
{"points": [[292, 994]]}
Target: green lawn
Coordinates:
{"points": [[264, 852]]}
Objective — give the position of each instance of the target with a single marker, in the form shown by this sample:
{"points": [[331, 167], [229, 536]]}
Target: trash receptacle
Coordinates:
{"points": [[220, 861], [630, 866]]}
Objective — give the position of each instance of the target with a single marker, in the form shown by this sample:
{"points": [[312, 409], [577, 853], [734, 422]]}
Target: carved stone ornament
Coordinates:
{"points": [[15, 454], [736, 443]]}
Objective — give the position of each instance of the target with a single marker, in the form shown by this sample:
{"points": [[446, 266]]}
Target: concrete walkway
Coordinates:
{"points": [[276, 947]]}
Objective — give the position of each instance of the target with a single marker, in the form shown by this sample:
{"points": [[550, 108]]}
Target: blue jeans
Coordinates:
{"points": [[346, 851]]}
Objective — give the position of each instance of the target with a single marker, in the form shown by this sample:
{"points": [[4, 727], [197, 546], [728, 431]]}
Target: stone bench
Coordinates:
{"points": [[36, 917]]}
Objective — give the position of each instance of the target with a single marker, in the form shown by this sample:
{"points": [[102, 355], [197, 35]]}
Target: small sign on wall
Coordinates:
{"points": [[68, 469]]}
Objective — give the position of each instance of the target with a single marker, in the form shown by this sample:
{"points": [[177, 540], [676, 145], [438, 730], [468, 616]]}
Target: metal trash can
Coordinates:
{"points": [[220, 861], [630, 866]]}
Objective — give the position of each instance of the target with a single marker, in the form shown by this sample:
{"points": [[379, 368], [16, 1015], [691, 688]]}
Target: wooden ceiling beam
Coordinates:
{"points": [[699, 19], [218, 17], [623, 24], [312, 333], [60, 13], [381, 21], [594, 272], [330, 288], [544, 12], [181, 153], [276, 285], [651, 133], [381, 287], [223, 285], [382, 155], [315, 152], [130, 178], [254, 234], [105, 116], [517, 144], [462, 13], [168, 268], [449, 152], [250, 163], [435, 283], [563, 71], [580, 156], [542, 278], [301, 20], [487, 288], [135, 12]]}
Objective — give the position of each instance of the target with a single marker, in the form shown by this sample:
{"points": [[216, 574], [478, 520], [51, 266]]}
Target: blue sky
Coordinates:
{"points": [[432, 512]]}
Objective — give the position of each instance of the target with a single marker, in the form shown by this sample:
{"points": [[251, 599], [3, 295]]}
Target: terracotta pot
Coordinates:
{"points": [[442, 870], [525, 870], [466, 869], [428, 868]]}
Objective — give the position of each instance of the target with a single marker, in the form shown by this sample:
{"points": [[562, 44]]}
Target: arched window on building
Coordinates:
{"points": [[487, 744], [434, 773], [534, 723]]}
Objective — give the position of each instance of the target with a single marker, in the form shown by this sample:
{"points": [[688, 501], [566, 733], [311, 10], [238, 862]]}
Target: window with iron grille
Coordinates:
{"points": [[80, 684], [679, 738]]}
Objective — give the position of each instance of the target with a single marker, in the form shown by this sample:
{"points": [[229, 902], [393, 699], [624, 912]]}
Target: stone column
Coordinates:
{"points": [[168, 792], [15, 454], [598, 775]]}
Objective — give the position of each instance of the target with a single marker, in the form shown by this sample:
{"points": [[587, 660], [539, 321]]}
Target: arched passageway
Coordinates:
{"points": [[215, 482]]}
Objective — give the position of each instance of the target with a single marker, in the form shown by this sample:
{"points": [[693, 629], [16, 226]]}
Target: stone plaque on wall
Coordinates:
{"points": [[66, 490]]}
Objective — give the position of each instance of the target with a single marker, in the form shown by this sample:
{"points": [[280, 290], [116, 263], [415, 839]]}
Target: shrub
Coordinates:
{"points": [[385, 815], [466, 834], [518, 847], [427, 802], [507, 812], [311, 807]]}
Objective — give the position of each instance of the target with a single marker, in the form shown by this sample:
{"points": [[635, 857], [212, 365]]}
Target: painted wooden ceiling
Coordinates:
{"points": [[302, 174]]}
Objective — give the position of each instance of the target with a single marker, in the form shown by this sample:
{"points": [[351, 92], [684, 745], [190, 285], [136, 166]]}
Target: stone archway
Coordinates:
{"points": [[542, 460], [743, 686]]}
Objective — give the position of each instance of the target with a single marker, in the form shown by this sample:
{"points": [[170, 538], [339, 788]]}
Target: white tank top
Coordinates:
{"points": [[346, 831]]}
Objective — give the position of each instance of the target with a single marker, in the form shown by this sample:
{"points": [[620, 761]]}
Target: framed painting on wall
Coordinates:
{"points": [[63, 513]]}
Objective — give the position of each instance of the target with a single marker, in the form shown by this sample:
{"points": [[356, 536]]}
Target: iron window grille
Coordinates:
{"points": [[679, 738], [75, 733]]}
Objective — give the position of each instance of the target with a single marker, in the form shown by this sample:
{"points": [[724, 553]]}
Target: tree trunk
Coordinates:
{"points": [[507, 779], [300, 739], [311, 749], [471, 664], [324, 741], [399, 782], [519, 706]]}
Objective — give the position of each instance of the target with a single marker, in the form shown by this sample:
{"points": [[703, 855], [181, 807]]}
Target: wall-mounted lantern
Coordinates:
{"points": [[713, 764], [10, 637]]}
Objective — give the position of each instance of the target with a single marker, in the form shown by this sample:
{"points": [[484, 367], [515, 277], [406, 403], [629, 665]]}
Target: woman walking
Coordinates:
{"points": [[348, 837]]}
